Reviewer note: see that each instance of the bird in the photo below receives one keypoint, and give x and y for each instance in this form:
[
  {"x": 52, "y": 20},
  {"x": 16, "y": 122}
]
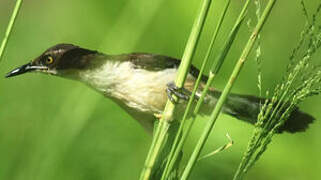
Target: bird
[{"x": 141, "y": 83}]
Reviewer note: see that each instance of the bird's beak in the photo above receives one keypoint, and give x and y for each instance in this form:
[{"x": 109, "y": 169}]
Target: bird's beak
[{"x": 23, "y": 69}]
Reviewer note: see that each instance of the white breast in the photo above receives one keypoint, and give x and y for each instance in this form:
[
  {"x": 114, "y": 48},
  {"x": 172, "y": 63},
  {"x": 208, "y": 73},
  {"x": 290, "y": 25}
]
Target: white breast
[{"x": 137, "y": 88}]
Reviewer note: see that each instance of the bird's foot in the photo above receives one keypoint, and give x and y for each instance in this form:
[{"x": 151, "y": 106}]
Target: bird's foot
[
  {"x": 181, "y": 93},
  {"x": 158, "y": 115}
]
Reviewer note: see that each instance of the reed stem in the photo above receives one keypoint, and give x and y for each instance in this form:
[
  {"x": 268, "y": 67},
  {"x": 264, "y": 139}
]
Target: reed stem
[
  {"x": 9, "y": 27},
  {"x": 167, "y": 116},
  {"x": 180, "y": 139},
  {"x": 227, "y": 89}
]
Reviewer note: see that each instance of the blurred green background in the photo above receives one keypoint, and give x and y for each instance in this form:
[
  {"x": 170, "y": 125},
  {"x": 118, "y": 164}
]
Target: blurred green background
[{"x": 52, "y": 128}]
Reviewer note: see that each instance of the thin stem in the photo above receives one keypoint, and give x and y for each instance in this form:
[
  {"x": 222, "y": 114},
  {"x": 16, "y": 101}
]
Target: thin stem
[
  {"x": 227, "y": 89},
  {"x": 271, "y": 122},
  {"x": 179, "y": 142},
  {"x": 221, "y": 57},
  {"x": 9, "y": 27},
  {"x": 215, "y": 67},
  {"x": 167, "y": 117}
]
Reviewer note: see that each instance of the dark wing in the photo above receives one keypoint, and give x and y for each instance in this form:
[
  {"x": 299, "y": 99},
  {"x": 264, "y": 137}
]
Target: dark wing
[{"x": 153, "y": 62}]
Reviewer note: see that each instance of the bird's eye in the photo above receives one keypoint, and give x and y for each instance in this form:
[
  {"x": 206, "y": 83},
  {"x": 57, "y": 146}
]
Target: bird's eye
[{"x": 49, "y": 60}]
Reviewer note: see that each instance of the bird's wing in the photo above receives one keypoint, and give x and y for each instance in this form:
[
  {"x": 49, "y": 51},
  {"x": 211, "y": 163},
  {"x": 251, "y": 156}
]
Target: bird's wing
[{"x": 153, "y": 62}]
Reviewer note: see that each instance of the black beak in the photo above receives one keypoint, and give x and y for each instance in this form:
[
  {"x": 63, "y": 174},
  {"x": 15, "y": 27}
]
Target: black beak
[{"x": 23, "y": 69}]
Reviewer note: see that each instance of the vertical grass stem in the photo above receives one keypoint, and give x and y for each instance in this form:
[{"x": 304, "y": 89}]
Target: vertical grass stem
[
  {"x": 9, "y": 27},
  {"x": 227, "y": 89},
  {"x": 180, "y": 139},
  {"x": 167, "y": 116}
]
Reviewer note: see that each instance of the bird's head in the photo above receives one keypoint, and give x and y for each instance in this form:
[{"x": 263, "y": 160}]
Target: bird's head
[{"x": 61, "y": 59}]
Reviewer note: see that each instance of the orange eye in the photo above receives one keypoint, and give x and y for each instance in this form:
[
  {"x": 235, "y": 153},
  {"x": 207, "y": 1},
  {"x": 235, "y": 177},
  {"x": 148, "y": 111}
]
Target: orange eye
[{"x": 49, "y": 60}]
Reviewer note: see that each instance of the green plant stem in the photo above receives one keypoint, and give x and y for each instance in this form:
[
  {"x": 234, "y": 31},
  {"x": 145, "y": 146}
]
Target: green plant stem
[
  {"x": 216, "y": 66},
  {"x": 226, "y": 90},
  {"x": 179, "y": 142},
  {"x": 256, "y": 140},
  {"x": 9, "y": 27},
  {"x": 167, "y": 116}
]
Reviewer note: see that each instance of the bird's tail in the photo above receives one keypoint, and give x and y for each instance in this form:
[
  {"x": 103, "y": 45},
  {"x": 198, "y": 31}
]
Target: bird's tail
[{"x": 247, "y": 108}]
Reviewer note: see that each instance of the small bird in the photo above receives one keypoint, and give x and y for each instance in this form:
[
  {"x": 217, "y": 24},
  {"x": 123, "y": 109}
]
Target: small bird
[{"x": 141, "y": 83}]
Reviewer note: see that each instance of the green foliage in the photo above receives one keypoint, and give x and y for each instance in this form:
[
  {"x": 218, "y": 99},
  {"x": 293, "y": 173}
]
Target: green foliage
[
  {"x": 181, "y": 135},
  {"x": 51, "y": 128},
  {"x": 161, "y": 134},
  {"x": 9, "y": 27},
  {"x": 179, "y": 141},
  {"x": 302, "y": 80}
]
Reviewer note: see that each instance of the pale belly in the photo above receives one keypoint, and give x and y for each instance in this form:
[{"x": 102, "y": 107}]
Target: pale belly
[
  {"x": 145, "y": 90},
  {"x": 140, "y": 92},
  {"x": 144, "y": 94}
]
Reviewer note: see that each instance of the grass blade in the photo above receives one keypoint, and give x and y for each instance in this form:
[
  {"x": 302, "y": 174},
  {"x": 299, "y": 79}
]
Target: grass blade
[
  {"x": 220, "y": 149},
  {"x": 9, "y": 27},
  {"x": 227, "y": 89},
  {"x": 179, "y": 139},
  {"x": 164, "y": 122}
]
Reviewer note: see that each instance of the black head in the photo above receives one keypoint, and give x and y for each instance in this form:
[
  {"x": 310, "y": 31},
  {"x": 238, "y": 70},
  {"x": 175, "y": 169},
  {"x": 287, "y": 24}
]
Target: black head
[{"x": 57, "y": 58}]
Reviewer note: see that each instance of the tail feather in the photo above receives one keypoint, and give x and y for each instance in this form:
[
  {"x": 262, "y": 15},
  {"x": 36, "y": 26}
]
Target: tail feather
[
  {"x": 298, "y": 122},
  {"x": 247, "y": 108}
]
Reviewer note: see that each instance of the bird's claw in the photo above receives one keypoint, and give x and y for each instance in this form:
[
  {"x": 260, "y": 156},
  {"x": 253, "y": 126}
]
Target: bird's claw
[
  {"x": 158, "y": 115},
  {"x": 181, "y": 93}
]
